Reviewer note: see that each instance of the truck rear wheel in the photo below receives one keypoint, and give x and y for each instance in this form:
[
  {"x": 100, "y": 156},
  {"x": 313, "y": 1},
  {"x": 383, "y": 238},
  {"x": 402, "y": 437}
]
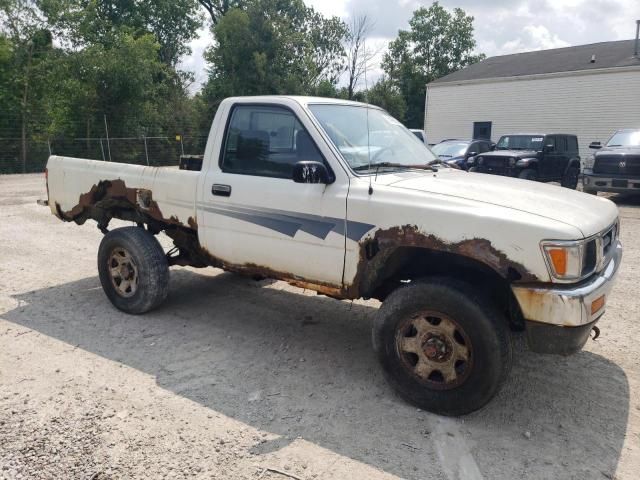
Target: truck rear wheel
[
  {"x": 133, "y": 270},
  {"x": 570, "y": 177},
  {"x": 441, "y": 346}
]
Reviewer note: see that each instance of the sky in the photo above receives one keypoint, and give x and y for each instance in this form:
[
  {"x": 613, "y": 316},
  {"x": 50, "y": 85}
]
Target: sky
[{"x": 501, "y": 26}]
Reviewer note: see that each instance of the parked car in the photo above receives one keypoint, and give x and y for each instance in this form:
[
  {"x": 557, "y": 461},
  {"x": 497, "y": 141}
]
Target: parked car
[
  {"x": 457, "y": 152},
  {"x": 550, "y": 157},
  {"x": 293, "y": 188},
  {"x": 420, "y": 134},
  {"x": 616, "y": 167}
]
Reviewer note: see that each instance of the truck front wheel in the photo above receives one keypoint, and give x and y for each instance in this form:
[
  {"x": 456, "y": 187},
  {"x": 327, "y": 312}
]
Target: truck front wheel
[
  {"x": 528, "y": 174},
  {"x": 442, "y": 346},
  {"x": 133, "y": 270}
]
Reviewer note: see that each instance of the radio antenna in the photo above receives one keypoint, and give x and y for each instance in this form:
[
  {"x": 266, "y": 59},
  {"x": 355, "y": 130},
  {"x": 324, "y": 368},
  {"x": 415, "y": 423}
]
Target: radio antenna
[{"x": 366, "y": 99}]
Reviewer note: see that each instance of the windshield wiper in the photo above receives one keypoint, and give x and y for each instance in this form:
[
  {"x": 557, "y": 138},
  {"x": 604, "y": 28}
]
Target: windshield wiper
[
  {"x": 444, "y": 155},
  {"x": 614, "y": 145},
  {"x": 378, "y": 165}
]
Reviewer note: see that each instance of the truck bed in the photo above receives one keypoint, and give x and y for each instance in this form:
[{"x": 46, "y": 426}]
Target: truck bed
[{"x": 78, "y": 188}]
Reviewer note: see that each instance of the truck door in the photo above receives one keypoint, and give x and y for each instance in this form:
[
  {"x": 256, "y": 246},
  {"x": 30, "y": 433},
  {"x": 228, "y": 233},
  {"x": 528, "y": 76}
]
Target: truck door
[
  {"x": 254, "y": 215},
  {"x": 562, "y": 156},
  {"x": 547, "y": 167}
]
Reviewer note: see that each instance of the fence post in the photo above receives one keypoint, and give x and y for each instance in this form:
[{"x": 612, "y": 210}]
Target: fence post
[
  {"x": 106, "y": 129},
  {"x": 146, "y": 153},
  {"x": 102, "y": 149}
]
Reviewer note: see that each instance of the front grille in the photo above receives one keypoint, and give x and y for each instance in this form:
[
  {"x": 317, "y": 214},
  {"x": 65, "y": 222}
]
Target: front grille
[
  {"x": 497, "y": 165},
  {"x": 628, "y": 165},
  {"x": 605, "y": 244}
]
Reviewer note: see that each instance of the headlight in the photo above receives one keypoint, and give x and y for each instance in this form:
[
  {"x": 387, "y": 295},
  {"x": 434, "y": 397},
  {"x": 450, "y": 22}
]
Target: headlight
[
  {"x": 589, "y": 161},
  {"x": 480, "y": 160},
  {"x": 471, "y": 160},
  {"x": 524, "y": 162},
  {"x": 512, "y": 162},
  {"x": 570, "y": 261}
]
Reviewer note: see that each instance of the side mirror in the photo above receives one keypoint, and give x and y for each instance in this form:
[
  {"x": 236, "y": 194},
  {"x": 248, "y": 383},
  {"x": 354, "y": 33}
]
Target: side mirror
[
  {"x": 493, "y": 147},
  {"x": 472, "y": 154},
  {"x": 308, "y": 171},
  {"x": 595, "y": 145}
]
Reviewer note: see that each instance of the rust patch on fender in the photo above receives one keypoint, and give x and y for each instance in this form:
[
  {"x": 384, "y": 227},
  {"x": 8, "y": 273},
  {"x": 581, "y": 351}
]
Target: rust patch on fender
[{"x": 376, "y": 250}]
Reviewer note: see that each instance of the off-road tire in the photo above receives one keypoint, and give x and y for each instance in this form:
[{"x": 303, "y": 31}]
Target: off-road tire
[
  {"x": 484, "y": 328},
  {"x": 570, "y": 177},
  {"x": 472, "y": 169},
  {"x": 151, "y": 268},
  {"x": 528, "y": 174}
]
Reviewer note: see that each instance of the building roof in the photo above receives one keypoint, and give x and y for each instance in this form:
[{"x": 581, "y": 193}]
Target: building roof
[{"x": 568, "y": 59}]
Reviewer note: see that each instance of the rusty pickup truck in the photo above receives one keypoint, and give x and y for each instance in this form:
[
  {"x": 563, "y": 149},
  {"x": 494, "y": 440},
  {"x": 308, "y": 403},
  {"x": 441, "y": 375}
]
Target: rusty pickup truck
[{"x": 340, "y": 198}]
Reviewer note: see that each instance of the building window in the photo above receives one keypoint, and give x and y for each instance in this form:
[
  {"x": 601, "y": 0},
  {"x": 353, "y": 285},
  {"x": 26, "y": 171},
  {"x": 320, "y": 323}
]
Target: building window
[{"x": 482, "y": 130}]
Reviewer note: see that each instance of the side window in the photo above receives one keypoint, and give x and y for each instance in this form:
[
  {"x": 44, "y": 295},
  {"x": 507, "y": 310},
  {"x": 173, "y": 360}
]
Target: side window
[
  {"x": 561, "y": 144},
  {"x": 550, "y": 143},
  {"x": 473, "y": 147},
  {"x": 266, "y": 141},
  {"x": 573, "y": 144},
  {"x": 484, "y": 147}
]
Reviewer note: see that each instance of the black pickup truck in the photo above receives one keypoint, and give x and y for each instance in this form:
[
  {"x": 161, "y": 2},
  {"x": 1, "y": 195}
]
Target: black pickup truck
[
  {"x": 616, "y": 166},
  {"x": 550, "y": 157}
]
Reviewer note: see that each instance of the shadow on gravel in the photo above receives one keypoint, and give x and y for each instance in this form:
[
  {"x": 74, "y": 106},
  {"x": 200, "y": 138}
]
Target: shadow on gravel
[
  {"x": 302, "y": 366},
  {"x": 625, "y": 199}
]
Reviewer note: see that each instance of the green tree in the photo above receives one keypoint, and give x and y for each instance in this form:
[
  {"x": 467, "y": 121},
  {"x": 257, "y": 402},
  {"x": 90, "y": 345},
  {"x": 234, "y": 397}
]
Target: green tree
[
  {"x": 274, "y": 47},
  {"x": 385, "y": 94},
  {"x": 218, "y": 8},
  {"x": 88, "y": 22},
  {"x": 438, "y": 42},
  {"x": 117, "y": 81}
]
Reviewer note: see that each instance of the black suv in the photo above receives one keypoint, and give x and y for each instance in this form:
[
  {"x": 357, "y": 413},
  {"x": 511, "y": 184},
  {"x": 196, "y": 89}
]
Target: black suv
[
  {"x": 616, "y": 167},
  {"x": 550, "y": 157}
]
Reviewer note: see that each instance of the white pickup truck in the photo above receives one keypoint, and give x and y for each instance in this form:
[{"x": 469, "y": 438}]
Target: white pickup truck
[{"x": 339, "y": 197}]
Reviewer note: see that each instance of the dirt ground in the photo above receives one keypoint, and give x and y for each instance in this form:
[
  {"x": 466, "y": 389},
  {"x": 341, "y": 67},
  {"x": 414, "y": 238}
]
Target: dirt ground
[{"x": 237, "y": 379}]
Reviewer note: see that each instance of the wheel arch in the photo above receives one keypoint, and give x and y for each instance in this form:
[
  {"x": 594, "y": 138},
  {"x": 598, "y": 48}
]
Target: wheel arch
[{"x": 390, "y": 268}]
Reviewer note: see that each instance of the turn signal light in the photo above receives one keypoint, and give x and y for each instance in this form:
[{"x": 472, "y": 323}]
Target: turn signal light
[
  {"x": 597, "y": 304},
  {"x": 558, "y": 257}
]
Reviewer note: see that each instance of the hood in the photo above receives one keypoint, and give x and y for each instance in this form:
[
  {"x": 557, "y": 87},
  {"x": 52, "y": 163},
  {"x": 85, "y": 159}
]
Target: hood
[
  {"x": 618, "y": 151},
  {"x": 510, "y": 153},
  {"x": 588, "y": 213}
]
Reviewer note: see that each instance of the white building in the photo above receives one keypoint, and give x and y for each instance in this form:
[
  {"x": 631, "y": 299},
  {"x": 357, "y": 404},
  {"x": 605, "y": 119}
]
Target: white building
[{"x": 588, "y": 90}]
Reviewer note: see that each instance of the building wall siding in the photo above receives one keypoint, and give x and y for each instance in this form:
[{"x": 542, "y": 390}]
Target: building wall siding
[{"x": 590, "y": 106}]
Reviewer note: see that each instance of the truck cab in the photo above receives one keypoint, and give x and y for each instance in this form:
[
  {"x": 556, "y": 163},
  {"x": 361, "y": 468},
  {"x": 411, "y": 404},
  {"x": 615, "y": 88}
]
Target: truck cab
[{"x": 550, "y": 157}]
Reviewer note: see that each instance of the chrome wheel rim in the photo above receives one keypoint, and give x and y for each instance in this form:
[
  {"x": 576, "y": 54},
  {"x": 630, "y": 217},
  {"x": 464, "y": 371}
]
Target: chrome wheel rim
[
  {"x": 434, "y": 349},
  {"x": 123, "y": 272}
]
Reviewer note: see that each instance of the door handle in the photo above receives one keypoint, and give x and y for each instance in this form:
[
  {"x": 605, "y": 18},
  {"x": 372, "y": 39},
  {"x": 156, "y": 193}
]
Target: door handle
[{"x": 221, "y": 190}]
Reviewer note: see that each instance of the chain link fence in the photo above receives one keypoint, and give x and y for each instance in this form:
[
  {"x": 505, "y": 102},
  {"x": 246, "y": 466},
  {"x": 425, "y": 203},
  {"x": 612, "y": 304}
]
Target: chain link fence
[{"x": 29, "y": 153}]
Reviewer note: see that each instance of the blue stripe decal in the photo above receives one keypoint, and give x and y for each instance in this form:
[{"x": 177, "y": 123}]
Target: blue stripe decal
[{"x": 289, "y": 223}]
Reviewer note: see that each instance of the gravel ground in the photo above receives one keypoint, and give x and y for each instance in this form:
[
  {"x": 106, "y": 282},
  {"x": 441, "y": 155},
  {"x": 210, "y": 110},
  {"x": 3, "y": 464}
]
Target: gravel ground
[{"x": 236, "y": 379}]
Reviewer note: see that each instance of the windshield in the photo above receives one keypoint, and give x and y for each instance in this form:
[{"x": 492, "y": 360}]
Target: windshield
[
  {"x": 450, "y": 149},
  {"x": 625, "y": 139},
  {"x": 385, "y": 140},
  {"x": 520, "y": 142}
]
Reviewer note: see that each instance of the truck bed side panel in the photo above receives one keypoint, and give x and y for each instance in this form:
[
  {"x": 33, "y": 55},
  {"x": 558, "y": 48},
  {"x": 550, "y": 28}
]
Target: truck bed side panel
[{"x": 72, "y": 183}]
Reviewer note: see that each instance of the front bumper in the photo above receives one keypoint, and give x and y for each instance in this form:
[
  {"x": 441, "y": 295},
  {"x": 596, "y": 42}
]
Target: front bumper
[
  {"x": 559, "y": 318},
  {"x": 610, "y": 183}
]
